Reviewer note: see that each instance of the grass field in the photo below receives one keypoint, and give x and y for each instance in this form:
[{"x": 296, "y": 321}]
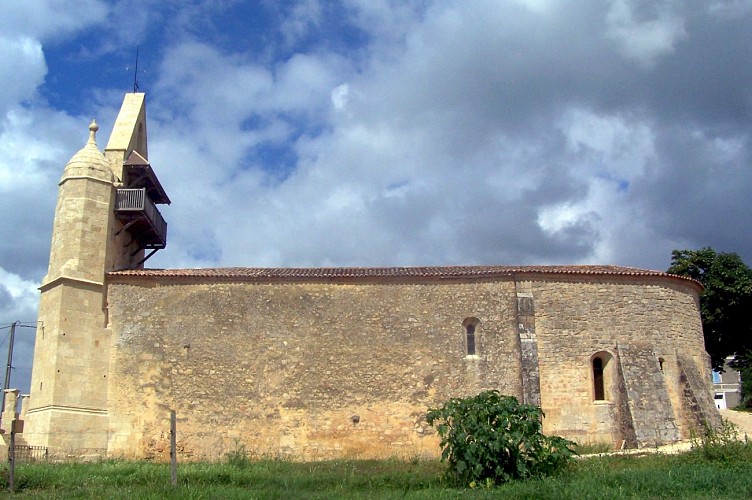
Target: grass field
[{"x": 705, "y": 472}]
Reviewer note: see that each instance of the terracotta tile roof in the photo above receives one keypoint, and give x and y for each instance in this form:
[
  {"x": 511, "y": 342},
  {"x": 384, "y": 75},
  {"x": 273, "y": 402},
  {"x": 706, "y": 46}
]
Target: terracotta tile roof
[
  {"x": 135, "y": 158},
  {"x": 366, "y": 273}
]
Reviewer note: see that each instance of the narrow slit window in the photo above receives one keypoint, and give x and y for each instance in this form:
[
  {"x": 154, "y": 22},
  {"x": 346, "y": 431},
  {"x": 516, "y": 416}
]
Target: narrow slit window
[
  {"x": 470, "y": 332},
  {"x": 598, "y": 387}
]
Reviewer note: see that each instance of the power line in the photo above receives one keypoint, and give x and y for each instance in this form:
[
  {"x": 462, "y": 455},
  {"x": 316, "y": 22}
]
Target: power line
[{"x": 22, "y": 324}]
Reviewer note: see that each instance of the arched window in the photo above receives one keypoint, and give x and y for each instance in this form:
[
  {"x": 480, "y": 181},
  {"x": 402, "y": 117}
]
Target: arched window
[
  {"x": 470, "y": 334},
  {"x": 471, "y": 326},
  {"x": 599, "y": 389},
  {"x": 602, "y": 368}
]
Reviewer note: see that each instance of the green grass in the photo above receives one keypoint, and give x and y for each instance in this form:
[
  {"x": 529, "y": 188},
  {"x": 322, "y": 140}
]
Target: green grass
[{"x": 706, "y": 472}]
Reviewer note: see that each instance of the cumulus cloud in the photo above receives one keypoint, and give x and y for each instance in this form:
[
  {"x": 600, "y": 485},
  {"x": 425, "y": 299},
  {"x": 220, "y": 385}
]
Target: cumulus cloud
[
  {"x": 303, "y": 17},
  {"x": 729, "y": 9},
  {"x": 386, "y": 132},
  {"x": 50, "y": 20},
  {"x": 19, "y": 296},
  {"x": 340, "y": 96},
  {"x": 33, "y": 145},
  {"x": 22, "y": 71},
  {"x": 645, "y": 30},
  {"x": 468, "y": 135}
]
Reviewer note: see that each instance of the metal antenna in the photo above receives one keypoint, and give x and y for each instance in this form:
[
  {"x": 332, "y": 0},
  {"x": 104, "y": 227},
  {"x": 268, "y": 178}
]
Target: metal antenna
[{"x": 135, "y": 73}]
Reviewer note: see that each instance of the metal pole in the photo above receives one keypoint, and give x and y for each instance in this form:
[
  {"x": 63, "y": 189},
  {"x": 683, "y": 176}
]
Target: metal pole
[{"x": 6, "y": 384}]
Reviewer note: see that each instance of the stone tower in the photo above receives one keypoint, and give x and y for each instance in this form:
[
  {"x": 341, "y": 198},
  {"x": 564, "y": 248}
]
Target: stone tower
[{"x": 105, "y": 219}]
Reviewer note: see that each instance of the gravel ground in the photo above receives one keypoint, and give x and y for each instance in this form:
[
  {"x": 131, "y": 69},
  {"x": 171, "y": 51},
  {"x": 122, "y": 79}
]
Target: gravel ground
[{"x": 742, "y": 419}]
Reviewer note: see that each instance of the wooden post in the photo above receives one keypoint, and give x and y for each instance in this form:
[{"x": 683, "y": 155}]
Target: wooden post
[
  {"x": 12, "y": 456},
  {"x": 173, "y": 454}
]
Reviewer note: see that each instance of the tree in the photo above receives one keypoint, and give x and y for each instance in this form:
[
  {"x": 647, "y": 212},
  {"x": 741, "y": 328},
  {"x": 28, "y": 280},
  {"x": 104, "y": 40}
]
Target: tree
[
  {"x": 492, "y": 438},
  {"x": 743, "y": 363},
  {"x": 725, "y": 303}
]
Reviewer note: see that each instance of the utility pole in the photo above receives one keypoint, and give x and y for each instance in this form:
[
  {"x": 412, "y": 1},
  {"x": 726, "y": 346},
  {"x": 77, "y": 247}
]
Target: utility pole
[{"x": 6, "y": 384}]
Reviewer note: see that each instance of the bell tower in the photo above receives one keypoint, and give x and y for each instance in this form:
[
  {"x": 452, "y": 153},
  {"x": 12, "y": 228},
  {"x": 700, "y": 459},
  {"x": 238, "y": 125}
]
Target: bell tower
[
  {"x": 105, "y": 219},
  {"x": 140, "y": 226}
]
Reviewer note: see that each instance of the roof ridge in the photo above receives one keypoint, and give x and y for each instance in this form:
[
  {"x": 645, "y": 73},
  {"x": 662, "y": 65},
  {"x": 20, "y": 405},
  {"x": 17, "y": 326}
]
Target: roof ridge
[{"x": 435, "y": 272}]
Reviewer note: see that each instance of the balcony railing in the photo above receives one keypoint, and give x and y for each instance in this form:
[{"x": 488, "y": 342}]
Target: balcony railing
[{"x": 145, "y": 221}]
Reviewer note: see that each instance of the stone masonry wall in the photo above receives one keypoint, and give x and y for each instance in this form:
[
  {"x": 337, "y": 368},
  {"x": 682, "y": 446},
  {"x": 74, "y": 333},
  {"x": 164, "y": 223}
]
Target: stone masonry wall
[
  {"x": 300, "y": 370},
  {"x": 320, "y": 370},
  {"x": 576, "y": 319}
]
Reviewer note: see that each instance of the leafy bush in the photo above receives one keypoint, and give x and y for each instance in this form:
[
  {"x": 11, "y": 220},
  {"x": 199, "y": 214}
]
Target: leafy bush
[{"x": 490, "y": 439}]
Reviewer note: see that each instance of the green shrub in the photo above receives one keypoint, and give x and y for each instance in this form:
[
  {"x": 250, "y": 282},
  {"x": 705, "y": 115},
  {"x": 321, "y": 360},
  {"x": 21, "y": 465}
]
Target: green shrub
[
  {"x": 490, "y": 439},
  {"x": 720, "y": 445}
]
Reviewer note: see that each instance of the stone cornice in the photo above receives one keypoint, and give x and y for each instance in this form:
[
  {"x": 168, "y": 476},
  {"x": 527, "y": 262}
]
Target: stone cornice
[
  {"x": 68, "y": 409},
  {"x": 59, "y": 280},
  {"x": 84, "y": 177}
]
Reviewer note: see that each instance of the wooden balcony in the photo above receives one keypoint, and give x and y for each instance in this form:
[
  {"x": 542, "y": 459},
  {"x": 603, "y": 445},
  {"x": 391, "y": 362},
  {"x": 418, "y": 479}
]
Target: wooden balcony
[{"x": 141, "y": 218}]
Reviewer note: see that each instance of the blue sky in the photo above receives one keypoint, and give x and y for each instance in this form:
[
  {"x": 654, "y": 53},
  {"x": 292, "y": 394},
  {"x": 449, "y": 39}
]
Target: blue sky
[{"x": 384, "y": 132}]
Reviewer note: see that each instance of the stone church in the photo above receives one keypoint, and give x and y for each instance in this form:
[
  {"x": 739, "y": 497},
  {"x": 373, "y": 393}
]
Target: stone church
[{"x": 331, "y": 362}]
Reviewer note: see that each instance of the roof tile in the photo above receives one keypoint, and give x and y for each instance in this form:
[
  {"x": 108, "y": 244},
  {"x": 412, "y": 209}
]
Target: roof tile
[{"x": 360, "y": 273}]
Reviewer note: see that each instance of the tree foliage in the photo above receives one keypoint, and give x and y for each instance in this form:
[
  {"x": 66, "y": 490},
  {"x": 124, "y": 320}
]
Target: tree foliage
[
  {"x": 726, "y": 302},
  {"x": 492, "y": 439},
  {"x": 743, "y": 363}
]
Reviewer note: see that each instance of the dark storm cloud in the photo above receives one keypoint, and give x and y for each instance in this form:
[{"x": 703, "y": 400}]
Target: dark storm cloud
[
  {"x": 695, "y": 93},
  {"x": 701, "y": 189},
  {"x": 707, "y": 80},
  {"x": 25, "y": 232},
  {"x": 473, "y": 95}
]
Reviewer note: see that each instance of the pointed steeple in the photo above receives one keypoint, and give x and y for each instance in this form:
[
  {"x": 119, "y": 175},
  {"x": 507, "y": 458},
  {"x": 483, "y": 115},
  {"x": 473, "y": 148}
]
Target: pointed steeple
[{"x": 129, "y": 131}]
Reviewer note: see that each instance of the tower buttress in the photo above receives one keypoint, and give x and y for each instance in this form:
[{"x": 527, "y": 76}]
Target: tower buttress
[
  {"x": 105, "y": 218},
  {"x": 71, "y": 357}
]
